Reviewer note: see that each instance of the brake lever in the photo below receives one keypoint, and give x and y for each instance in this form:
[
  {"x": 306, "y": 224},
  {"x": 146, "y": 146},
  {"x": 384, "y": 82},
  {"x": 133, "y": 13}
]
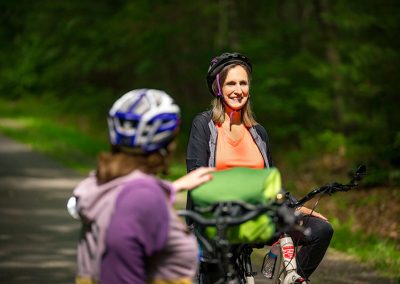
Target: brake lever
[
  {"x": 291, "y": 199},
  {"x": 358, "y": 175}
]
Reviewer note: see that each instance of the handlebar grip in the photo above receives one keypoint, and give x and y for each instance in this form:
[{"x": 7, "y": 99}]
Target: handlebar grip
[{"x": 196, "y": 217}]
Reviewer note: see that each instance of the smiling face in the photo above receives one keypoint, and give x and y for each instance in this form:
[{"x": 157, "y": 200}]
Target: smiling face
[{"x": 235, "y": 88}]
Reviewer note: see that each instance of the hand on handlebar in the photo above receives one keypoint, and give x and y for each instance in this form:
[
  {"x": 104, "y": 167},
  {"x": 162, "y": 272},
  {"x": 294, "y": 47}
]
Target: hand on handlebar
[
  {"x": 287, "y": 219},
  {"x": 193, "y": 179},
  {"x": 306, "y": 211}
]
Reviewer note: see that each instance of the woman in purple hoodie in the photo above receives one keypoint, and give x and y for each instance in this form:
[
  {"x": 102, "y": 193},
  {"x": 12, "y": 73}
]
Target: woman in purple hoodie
[{"x": 130, "y": 232}]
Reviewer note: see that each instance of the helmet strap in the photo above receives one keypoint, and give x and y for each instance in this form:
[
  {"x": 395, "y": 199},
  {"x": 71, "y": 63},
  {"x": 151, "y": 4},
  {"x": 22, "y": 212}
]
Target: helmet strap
[
  {"x": 231, "y": 115},
  {"x": 219, "y": 86}
]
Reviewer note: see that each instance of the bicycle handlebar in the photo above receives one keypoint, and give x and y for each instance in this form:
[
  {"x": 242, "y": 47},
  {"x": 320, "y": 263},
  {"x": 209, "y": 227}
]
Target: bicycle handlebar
[
  {"x": 329, "y": 188},
  {"x": 226, "y": 207},
  {"x": 274, "y": 209}
]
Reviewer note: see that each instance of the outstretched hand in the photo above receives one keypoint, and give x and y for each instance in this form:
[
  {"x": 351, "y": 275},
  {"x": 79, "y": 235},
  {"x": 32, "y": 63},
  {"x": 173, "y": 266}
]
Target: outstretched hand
[{"x": 193, "y": 179}]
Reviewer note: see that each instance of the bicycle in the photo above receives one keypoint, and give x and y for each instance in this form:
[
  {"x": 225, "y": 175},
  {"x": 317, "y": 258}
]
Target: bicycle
[
  {"x": 232, "y": 263},
  {"x": 285, "y": 248}
]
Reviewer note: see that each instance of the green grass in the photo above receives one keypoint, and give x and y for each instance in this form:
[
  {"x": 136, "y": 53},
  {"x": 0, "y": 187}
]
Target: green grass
[
  {"x": 382, "y": 253},
  {"x": 65, "y": 144},
  {"x": 63, "y": 139}
]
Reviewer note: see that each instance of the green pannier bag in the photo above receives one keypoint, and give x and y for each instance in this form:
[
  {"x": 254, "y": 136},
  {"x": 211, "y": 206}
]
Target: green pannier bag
[{"x": 253, "y": 186}]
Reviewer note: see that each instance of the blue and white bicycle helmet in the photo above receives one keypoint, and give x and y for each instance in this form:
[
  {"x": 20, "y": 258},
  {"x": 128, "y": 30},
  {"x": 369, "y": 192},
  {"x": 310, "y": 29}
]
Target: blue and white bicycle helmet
[{"x": 143, "y": 121}]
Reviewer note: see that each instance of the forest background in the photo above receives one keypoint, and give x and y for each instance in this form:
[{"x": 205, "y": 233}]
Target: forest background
[{"x": 325, "y": 86}]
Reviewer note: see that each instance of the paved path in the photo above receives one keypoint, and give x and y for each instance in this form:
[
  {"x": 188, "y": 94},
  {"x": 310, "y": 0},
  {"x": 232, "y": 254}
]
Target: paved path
[{"x": 38, "y": 238}]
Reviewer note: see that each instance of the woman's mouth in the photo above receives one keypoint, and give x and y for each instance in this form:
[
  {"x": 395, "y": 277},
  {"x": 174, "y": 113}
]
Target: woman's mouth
[{"x": 236, "y": 99}]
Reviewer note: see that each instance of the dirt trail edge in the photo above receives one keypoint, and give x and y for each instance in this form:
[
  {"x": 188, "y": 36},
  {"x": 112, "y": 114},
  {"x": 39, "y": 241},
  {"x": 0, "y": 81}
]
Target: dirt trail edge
[{"x": 38, "y": 237}]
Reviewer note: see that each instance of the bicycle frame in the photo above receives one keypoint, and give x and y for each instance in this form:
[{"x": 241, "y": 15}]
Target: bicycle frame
[
  {"x": 285, "y": 271},
  {"x": 236, "y": 265},
  {"x": 234, "y": 261}
]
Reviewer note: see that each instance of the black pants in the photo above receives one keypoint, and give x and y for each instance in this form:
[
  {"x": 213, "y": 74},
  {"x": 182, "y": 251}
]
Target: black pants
[
  {"x": 314, "y": 246},
  {"x": 308, "y": 257}
]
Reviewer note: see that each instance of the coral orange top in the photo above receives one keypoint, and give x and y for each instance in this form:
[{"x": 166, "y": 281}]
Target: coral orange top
[{"x": 237, "y": 153}]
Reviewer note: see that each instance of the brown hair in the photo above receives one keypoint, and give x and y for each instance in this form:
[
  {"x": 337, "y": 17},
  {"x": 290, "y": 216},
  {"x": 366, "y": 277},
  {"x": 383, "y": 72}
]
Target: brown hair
[
  {"x": 118, "y": 163},
  {"x": 218, "y": 106}
]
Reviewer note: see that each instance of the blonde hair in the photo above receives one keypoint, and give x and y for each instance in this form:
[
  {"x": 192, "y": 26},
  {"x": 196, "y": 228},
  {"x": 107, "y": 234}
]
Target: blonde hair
[{"x": 218, "y": 106}]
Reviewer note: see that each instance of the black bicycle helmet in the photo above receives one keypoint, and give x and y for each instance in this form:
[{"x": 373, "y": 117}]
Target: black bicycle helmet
[{"x": 219, "y": 62}]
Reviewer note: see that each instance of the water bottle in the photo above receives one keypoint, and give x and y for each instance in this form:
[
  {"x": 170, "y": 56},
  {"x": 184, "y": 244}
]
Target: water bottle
[{"x": 270, "y": 262}]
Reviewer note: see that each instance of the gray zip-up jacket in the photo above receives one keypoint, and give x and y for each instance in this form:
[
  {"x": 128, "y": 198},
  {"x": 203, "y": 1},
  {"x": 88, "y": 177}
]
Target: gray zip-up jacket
[{"x": 202, "y": 145}]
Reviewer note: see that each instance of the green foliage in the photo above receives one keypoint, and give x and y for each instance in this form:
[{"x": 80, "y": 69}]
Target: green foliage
[
  {"x": 326, "y": 141},
  {"x": 325, "y": 75}
]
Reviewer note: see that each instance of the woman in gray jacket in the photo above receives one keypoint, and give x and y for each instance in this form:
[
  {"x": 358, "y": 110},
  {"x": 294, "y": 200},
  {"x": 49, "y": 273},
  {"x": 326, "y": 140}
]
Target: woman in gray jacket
[{"x": 228, "y": 136}]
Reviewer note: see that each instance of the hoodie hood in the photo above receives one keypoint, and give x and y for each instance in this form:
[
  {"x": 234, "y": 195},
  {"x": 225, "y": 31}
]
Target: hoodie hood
[{"x": 93, "y": 198}]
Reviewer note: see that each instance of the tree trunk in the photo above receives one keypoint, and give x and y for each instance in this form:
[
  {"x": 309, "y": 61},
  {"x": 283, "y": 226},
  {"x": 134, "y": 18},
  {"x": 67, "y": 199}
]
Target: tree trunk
[{"x": 329, "y": 37}]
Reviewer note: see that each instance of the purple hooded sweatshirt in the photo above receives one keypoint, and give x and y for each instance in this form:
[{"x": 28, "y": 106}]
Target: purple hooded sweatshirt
[{"x": 132, "y": 233}]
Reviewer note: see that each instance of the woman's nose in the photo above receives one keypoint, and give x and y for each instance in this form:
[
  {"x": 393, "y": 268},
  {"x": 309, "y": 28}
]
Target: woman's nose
[{"x": 238, "y": 89}]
